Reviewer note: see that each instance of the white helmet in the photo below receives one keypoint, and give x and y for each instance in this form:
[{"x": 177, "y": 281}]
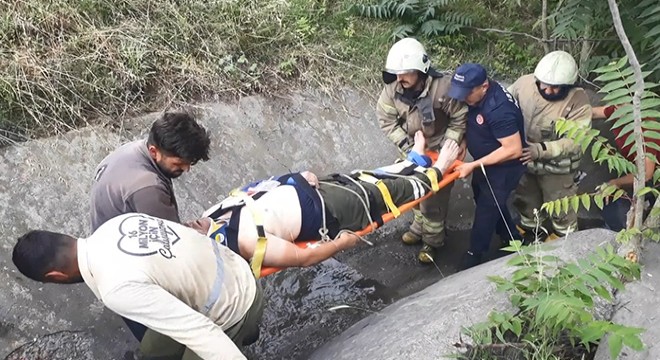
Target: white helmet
[
  {"x": 407, "y": 55},
  {"x": 557, "y": 68}
]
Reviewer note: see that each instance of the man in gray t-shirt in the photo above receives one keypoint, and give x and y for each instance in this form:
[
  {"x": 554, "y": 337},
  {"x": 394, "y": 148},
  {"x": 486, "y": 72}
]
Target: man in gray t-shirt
[{"x": 137, "y": 177}]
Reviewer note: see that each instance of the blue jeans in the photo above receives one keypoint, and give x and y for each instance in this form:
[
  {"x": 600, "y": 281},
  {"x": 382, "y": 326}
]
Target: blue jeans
[{"x": 487, "y": 218}]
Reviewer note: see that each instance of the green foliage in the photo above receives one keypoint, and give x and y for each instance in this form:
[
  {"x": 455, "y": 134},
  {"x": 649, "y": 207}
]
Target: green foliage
[
  {"x": 577, "y": 19},
  {"x": 424, "y": 17},
  {"x": 67, "y": 63},
  {"x": 555, "y": 300},
  {"x": 601, "y": 150},
  {"x": 509, "y": 54},
  {"x": 619, "y": 89}
]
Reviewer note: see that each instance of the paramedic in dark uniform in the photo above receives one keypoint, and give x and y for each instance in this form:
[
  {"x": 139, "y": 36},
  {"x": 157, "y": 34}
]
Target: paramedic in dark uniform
[{"x": 495, "y": 139}]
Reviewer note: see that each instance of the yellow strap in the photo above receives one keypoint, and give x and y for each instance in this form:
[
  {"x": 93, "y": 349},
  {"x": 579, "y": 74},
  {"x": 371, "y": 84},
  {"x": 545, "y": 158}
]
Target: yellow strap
[
  {"x": 387, "y": 197},
  {"x": 260, "y": 247},
  {"x": 433, "y": 176}
]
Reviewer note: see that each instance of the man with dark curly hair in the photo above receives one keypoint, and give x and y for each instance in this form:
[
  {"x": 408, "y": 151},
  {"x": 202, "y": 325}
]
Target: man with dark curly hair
[{"x": 137, "y": 177}]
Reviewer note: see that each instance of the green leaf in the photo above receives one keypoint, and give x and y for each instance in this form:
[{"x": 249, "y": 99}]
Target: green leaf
[
  {"x": 548, "y": 207},
  {"x": 516, "y": 326},
  {"x": 652, "y": 134},
  {"x": 633, "y": 342},
  {"x": 621, "y": 110},
  {"x": 557, "y": 206},
  {"x": 614, "y": 85},
  {"x": 564, "y": 205},
  {"x": 648, "y": 103},
  {"x": 609, "y": 76},
  {"x": 645, "y": 190},
  {"x": 619, "y": 193},
  {"x": 623, "y": 120},
  {"x": 651, "y": 124},
  {"x": 586, "y": 201},
  {"x": 626, "y": 130},
  {"x": 653, "y": 32},
  {"x": 615, "y": 344},
  {"x": 622, "y": 62},
  {"x": 598, "y": 199},
  {"x": 595, "y": 148},
  {"x": 609, "y": 190},
  {"x": 650, "y": 113},
  {"x": 616, "y": 94},
  {"x": 575, "y": 203}
]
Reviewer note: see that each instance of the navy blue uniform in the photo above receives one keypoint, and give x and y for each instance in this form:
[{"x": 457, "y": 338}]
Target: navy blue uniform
[{"x": 496, "y": 116}]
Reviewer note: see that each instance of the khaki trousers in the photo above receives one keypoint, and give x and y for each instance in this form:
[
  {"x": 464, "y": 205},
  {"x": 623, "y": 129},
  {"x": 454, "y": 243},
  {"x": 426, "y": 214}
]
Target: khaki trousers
[{"x": 534, "y": 190}]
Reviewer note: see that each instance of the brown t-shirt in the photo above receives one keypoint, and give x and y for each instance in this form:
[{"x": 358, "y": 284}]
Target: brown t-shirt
[{"x": 128, "y": 180}]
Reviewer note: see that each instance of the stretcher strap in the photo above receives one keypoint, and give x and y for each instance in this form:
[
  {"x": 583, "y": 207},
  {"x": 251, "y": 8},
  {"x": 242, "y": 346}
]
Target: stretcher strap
[
  {"x": 387, "y": 197},
  {"x": 260, "y": 248},
  {"x": 433, "y": 176}
]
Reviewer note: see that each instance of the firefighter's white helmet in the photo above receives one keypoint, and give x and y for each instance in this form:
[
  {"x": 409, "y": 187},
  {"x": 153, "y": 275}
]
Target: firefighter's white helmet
[
  {"x": 557, "y": 68},
  {"x": 407, "y": 55}
]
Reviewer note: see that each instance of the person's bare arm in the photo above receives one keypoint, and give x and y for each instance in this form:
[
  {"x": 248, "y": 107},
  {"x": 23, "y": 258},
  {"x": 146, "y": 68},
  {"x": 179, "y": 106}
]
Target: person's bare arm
[
  {"x": 511, "y": 149},
  {"x": 629, "y": 179},
  {"x": 598, "y": 112},
  {"x": 283, "y": 253}
]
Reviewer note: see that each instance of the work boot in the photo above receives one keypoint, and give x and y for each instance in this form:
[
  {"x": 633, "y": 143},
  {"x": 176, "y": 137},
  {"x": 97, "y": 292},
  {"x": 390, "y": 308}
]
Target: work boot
[
  {"x": 426, "y": 254},
  {"x": 411, "y": 238},
  {"x": 552, "y": 237},
  {"x": 414, "y": 234},
  {"x": 470, "y": 259}
]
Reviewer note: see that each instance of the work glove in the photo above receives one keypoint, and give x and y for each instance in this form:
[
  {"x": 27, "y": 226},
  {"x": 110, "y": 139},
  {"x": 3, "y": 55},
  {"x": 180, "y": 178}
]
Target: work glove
[{"x": 531, "y": 153}]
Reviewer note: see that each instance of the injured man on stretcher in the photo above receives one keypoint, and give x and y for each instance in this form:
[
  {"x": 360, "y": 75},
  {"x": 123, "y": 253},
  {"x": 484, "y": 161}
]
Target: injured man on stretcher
[{"x": 271, "y": 215}]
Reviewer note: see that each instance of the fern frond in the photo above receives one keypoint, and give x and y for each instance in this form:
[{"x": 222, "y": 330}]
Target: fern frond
[{"x": 402, "y": 31}]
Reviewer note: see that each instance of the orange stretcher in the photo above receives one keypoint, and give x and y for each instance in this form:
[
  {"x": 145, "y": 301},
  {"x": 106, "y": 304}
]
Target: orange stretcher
[{"x": 446, "y": 180}]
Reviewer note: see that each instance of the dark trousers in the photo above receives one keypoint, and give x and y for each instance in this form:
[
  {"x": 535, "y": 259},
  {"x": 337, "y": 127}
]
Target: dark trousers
[
  {"x": 487, "y": 217},
  {"x": 137, "y": 329},
  {"x": 615, "y": 213}
]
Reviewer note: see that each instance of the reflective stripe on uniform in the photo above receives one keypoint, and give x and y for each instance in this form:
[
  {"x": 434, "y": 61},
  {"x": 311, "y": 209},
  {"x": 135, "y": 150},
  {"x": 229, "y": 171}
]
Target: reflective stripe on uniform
[{"x": 388, "y": 109}]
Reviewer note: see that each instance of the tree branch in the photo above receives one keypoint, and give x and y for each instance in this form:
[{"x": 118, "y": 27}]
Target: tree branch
[
  {"x": 554, "y": 40},
  {"x": 638, "y": 201},
  {"x": 544, "y": 26}
]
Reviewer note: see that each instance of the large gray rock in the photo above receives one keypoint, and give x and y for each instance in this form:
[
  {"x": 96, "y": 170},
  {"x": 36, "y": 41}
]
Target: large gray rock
[
  {"x": 45, "y": 183},
  {"x": 639, "y": 306},
  {"x": 427, "y": 324}
]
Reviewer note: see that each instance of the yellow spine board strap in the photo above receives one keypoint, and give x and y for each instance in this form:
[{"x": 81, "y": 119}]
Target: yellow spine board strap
[
  {"x": 387, "y": 197},
  {"x": 433, "y": 176},
  {"x": 260, "y": 248}
]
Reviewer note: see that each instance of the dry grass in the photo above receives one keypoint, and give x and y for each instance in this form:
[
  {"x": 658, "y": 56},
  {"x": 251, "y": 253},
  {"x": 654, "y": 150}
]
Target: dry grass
[
  {"x": 69, "y": 63},
  {"x": 66, "y": 63}
]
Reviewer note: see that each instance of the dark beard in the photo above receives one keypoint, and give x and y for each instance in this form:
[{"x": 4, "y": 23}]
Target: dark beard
[
  {"x": 169, "y": 174},
  {"x": 563, "y": 92}
]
